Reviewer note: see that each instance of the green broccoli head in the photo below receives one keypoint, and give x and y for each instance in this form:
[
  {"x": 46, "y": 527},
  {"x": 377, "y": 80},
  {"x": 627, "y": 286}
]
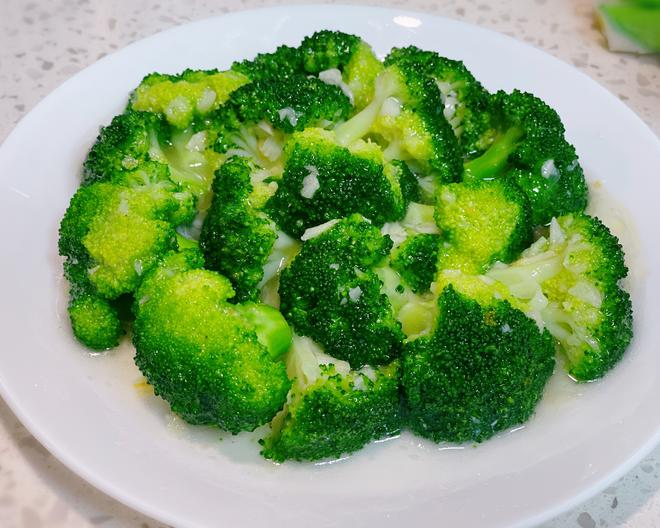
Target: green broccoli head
[
  {"x": 531, "y": 151},
  {"x": 482, "y": 222},
  {"x": 236, "y": 236},
  {"x": 405, "y": 115},
  {"x": 95, "y": 321},
  {"x": 122, "y": 145},
  {"x": 283, "y": 62},
  {"x": 416, "y": 260},
  {"x": 466, "y": 103},
  {"x": 345, "y": 60},
  {"x": 115, "y": 231},
  {"x": 569, "y": 280},
  {"x": 332, "y": 410},
  {"x": 292, "y": 103},
  {"x": 205, "y": 356},
  {"x": 323, "y": 181},
  {"x": 482, "y": 370},
  {"x": 330, "y": 293},
  {"x": 190, "y": 95}
]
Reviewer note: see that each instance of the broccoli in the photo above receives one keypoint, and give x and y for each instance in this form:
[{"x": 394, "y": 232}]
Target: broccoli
[
  {"x": 115, "y": 231},
  {"x": 481, "y": 222},
  {"x": 466, "y": 103},
  {"x": 330, "y": 293},
  {"x": 344, "y": 60},
  {"x": 95, "y": 321},
  {"x": 137, "y": 137},
  {"x": 123, "y": 145},
  {"x": 332, "y": 410},
  {"x": 482, "y": 370},
  {"x": 569, "y": 281},
  {"x": 112, "y": 232},
  {"x": 292, "y": 103},
  {"x": 283, "y": 62},
  {"x": 185, "y": 97},
  {"x": 236, "y": 236},
  {"x": 531, "y": 150},
  {"x": 323, "y": 180},
  {"x": 405, "y": 116},
  {"x": 215, "y": 363},
  {"x": 416, "y": 260},
  {"x": 258, "y": 118}
]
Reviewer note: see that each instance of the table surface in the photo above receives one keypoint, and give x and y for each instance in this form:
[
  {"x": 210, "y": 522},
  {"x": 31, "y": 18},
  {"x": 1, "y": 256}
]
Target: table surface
[{"x": 44, "y": 43}]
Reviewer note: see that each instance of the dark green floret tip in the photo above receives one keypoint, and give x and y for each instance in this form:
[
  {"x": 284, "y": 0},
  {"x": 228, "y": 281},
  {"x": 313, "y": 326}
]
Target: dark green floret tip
[
  {"x": 483, "y": 370},
  {"x": 331, "y": 294},
  {"x": 416, "y": 261}
]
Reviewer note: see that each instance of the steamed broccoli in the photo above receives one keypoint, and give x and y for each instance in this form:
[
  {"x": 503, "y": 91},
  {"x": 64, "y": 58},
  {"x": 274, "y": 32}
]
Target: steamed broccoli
[
  {"x": 481, "y": 222},
  {"x": 405, "y": 116},
  {"x": 466, "y": 104},
  {"x": 416, "y": 260},
  {"x": 330, "y": 293},
  {"x": 135, "y": 137},
  {"x": 344, "y": 60},
  {"x": 283, "y": 62},
  {"x": 531, "y": 150},
  {"x": 323, "y": 180},
  {"x": 569, "y": 281},
  {"x": 123, "y": 145},
  {"x": 236, "y": 236},
  {"x": 332, "y": 410},
  {"x": 215, "y": 363},
  {"x": 187, "y": 96},
  {"x": 379, "y": 209},
  {"x": 482, "y": 370}
]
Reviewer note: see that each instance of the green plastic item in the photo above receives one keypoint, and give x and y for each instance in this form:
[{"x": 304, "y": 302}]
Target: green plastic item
[{"x": 631, "y": 25}]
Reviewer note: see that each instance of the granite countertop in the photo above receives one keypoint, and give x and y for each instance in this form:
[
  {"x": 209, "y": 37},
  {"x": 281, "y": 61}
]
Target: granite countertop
[{"x": 44, "y": 43}]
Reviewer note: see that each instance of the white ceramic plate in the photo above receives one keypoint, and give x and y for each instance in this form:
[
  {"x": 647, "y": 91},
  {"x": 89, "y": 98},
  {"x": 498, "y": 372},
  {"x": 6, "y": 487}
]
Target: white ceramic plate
[{"x": 87, "y": 410}]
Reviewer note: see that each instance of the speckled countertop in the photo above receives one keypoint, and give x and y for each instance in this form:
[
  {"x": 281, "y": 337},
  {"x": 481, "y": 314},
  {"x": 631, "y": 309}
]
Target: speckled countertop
[{"x": 43, "y": 43}]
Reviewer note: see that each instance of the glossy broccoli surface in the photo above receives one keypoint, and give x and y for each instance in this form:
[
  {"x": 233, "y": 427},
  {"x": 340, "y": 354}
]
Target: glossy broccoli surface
[
  {"x": 530, "y": 150},
  {"x": 482, "y": 371},
  {"x": 323, "y": 181},
  {"x": 570, "y": 281},
  {"x": 237, "y": 237},
  {"x": 331, "y": 294},
  {"x": 481, "y": 222},
  {"x": 466, "y": 103},
  {"x": 332, "y": 247},
  {"x": 204, "y": 356},
  {"x": 332, "y": 410}
]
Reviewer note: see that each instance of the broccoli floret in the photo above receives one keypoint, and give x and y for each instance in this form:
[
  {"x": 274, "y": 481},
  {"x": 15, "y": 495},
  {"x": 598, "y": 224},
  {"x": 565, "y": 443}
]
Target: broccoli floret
[
  {"x": 482, "y": 222},
  {"x": 187, "y": 96},
  {"x": 123, "y": 145},
  {"x": 283, "y": 62},
  {"x": 481, "y": 371},
  {"x": 115, "y": 231},
  {"x": 416, "y": 260},
  {"x": 323, "y": 180},
  {"x": 332, "y": 410},
  {"x": 466, "y": 103},
  {"x": 237, "y": 236},
  {"x": 137, "y": 137},
  {"x": 405, "y": 116},
  {"x": 345, "y": 60},
  {"x": 95, "y": 321},
  {"x": 290, "y": 103},
  {"x": 212, "y": 361},
  {"x": 569, "y": 281},
  {"x": 330, "y": 293},
  {"x": 531, "y": 151}
]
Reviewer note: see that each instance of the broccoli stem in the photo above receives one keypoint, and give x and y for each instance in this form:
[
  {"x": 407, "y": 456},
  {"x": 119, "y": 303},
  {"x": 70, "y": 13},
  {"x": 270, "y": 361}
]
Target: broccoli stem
[
  {"x": 386, "y": 85},
  {"x": 272, "y": 330},
  {"x": 491, "y": 162}
]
